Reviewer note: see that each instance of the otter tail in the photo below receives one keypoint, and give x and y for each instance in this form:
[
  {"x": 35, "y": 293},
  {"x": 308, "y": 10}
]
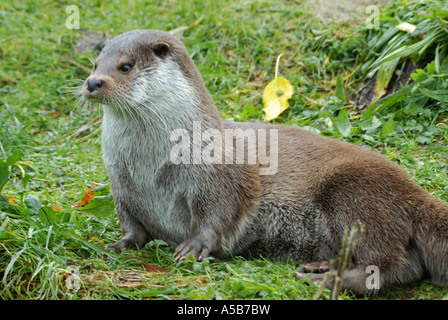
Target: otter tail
[{"x": 432, "y": 236}]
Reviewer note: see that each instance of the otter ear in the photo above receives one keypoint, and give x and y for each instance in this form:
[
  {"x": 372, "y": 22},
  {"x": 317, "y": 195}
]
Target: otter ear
[{"x": 161, "y": 49}]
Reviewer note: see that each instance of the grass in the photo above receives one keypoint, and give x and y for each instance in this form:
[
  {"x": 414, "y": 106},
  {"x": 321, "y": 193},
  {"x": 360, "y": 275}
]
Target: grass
[{"x": 235, "y": 46}]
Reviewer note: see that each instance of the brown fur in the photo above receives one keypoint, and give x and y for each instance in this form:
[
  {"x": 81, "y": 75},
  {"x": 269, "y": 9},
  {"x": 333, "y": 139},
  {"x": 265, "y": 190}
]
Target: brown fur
[{"x": 321, "y": 187}]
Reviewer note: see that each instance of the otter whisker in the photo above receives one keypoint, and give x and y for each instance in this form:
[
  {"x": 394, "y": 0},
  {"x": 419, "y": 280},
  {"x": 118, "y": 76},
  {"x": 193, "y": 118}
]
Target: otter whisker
[
  {"x": 74, "y": 91},
  {"x": 128, "y": 110}
]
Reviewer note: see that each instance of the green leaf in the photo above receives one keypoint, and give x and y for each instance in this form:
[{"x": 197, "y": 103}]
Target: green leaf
[
  {"x": 51, "y": 217},
  {"x": 342, "y": 123},
  {"x": 15, "y": 157},
  {"x": 431, "y": 67},
  {"x": 4, "y": 203},
  {"x": 10, "y": 207},
  {"x": 423, "y": 139},
  {"x": 47, "y": 216},
  {"x": 101, "y": 190},
  {"x": 4, "y": 166},
  {"x": 439, "y": 95},
  {"x": 27, "y": 179},
  {"x": 340, "y": 89},
  {"x": 33, "y": 203},
  {"x": 368, "y": 138},
  {"x": 4, "y": 174},
  {"x": 419, "y": 75},
  {"x": 388, "y": 128},
  {"x": 100, "y": 206}
]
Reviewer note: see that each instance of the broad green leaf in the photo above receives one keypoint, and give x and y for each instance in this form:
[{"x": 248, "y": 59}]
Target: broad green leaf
[
  {"x": 423, "y": 139},
  {"x": 47, "y": 216},
  {"x": 388, "y": 128},
  {"x": 419, "y": 75},
  {"x": 101, "y": 190},
  {"x": 368, "y": 138},
  {"x": 15, "y": 157},
  {"x": 26, "y": 179},
  {"x": 51, "y": 217},
  {"x": 342, "y": 123},
  {"x": 431, "y": 68},
  {"x": 33, "y": 203},
  {"x": 100, "y": 206},
  {"x": 376, "y": 123}
]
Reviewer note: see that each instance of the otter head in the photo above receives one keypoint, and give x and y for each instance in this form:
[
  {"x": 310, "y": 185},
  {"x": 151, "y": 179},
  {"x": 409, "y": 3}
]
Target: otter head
[{"x": 143, "y": 70}]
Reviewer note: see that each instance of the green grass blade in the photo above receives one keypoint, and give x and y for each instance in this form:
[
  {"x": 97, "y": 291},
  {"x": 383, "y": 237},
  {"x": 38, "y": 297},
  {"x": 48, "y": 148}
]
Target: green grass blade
[
  {"x": 10, "y": 266},
  {"x": 340, "y": 93},
  {"x": 439, "y": 95},
  {"x": 407, "y": 50},
  {"x": 390, "y": 100}
]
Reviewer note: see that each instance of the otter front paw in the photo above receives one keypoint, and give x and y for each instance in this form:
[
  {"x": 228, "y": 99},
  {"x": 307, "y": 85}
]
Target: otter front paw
[
  {"x": 196, "y": 246},
  {"x": 124, "y": 244}
]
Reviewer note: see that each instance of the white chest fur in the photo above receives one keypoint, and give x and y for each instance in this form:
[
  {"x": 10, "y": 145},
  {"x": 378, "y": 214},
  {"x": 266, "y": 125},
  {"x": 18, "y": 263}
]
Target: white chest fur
[{"x": 136, "y": 150}]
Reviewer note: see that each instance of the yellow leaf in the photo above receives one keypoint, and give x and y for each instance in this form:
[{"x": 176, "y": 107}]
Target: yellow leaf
[
  {"x": 276, "y": 96},
  {"x": 410, "y": 28},
  {"x": 56, "y": 207}
]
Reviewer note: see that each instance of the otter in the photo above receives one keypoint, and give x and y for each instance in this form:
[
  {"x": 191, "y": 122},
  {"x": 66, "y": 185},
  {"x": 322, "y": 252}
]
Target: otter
[{"x": 294, "y": 206}]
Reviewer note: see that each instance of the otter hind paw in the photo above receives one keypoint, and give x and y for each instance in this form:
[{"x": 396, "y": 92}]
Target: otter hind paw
[{"x": 315, "y": 267}]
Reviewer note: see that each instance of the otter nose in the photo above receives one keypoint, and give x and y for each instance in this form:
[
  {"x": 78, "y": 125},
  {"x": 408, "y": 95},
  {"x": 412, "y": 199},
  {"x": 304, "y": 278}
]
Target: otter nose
[{"x": 94, "y": 84}]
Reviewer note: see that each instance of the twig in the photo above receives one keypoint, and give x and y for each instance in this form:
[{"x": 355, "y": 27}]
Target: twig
[
  {"x": 80, "y": 66},
  {"x": 319, "y": 291},
  {"x": 276, "y": 65},
  {"x": 339, "y": 265},
  {"x": 1, "y": 244}
]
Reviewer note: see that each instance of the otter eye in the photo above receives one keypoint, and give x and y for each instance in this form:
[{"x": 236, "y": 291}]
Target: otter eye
[{"x": 124, "y": 69}]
